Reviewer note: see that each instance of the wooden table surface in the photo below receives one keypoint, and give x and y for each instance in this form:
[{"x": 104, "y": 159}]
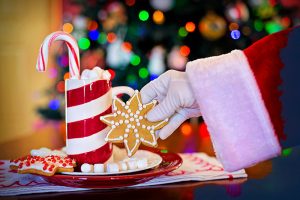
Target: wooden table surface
[{"x": 270, "y": 179}]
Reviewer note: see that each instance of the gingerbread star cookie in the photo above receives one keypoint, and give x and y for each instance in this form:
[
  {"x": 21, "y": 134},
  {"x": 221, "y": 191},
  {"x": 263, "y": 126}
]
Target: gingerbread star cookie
[{"x": 129, "y": 125}]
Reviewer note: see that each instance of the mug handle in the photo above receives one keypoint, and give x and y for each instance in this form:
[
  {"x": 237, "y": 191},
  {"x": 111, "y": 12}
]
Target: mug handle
[{"x": 122, "y": 90}]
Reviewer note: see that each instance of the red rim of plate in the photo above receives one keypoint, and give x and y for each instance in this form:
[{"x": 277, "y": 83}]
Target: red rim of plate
[{"x": 170, "y": 162}]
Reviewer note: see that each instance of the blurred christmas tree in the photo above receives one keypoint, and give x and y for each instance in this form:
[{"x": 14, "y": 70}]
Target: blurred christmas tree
[{"x": 139, "y": 40}]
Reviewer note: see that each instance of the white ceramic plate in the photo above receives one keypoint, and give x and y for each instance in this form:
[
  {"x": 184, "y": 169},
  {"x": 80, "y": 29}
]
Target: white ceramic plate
[{"x": 120, "y": 155}]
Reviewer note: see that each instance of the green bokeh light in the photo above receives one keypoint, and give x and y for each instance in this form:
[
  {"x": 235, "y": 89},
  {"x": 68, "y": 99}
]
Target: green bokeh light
[
  {"x": 182, "y": 32},
  {"x": 286, "y": 152},
  {"x": 273, "y": 27},
  {"x": 258, "y": 25},
  {"x": 164, "y": 151},
  {"x": 144, "y": 15},
  {"x": 135, "y": 60},
  {"x": 143, "y": 73},
  {"x": 84, "y": 43},
  {"x": 102, "y": 38},
  {"x": 131, "y": 78}
]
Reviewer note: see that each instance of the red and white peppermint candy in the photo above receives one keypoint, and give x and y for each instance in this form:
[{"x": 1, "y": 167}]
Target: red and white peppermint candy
[{"x": 74, "y": 60}]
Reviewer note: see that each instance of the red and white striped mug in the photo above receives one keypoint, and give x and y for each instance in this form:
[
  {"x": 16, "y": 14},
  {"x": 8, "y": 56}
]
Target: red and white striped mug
[{"x": 86, "y": 101}]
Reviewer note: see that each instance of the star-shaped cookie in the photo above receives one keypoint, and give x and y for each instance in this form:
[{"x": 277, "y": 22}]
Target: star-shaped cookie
[{"x": 129, "y": 125}]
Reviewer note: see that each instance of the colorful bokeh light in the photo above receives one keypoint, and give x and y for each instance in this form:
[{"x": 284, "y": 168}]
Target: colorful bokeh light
[
  {"x": 127, "y": 46},
  {"x": 135, "y": 60},
  {"x": 93, "y": 35},
  {"x": 186, "y": 129},
  {"x": 235, "y": 34},
  {"x": 66, "y": 75},
  {"x": 52, "y": 72},
  {"x": 102, "y": 39},
  {"x": 258, "y": 25},
  {"x": 182, "y": 32},
  {"x": 60, "y": 87},
  {"x": 130, "y": 2},
  {"x": 68, "y": 27},
  {"x": 286, "y": 152},
  {"x": 153, "y": 76},
  {"x": 54, "y": 104},
  {"x": 203, "y": 132},
  {"x": 111, "y": 37},
  {"x": 143, "y": 73},
  {"x": 233, "y": 26},
  {"x": 190, "y": 27},
  {"x": 63, "y": 61},
  {"x": 158, "y": 17},
  {"x": 185, "y": 50},
  {"x": 84, "y": 43},
  {"x": 92, "y": 25},
  {"x": 273, "y": 27},
  {"x": 143, "y": 15}
]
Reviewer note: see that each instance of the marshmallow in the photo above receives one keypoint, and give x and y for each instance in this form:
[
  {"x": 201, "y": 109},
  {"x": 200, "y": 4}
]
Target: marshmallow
[
  {"x": 123, "y": 166},
  {"x": 95, "y": 73},
  {"x": 99, "y": 71},
  {"x": 132, "y": 164},
  {"x": 142, "y": 163},
  {"x": 85, "y": 74},
  {"x": 87, "y": 168},
  {"x": 98, "y": 168},
  {"x": 106, "y": 75},
  {"x": 112, "y": 167}
]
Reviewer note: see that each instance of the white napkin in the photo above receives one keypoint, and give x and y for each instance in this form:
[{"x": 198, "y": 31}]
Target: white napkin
[{"x": 195, "y": 167}]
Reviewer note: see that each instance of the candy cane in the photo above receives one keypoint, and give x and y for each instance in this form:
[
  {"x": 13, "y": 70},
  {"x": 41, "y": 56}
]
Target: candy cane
[{"x": 74, "y": 63}]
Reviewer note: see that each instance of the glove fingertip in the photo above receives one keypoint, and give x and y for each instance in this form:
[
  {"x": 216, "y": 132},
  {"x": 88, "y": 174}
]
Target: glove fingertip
[
  {"x": 151, "y": 116},
  {"x": 164, "y": 133}
]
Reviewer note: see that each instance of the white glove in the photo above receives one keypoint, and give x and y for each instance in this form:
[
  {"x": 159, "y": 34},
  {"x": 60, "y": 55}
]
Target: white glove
[{"x": 176, "y": 100}]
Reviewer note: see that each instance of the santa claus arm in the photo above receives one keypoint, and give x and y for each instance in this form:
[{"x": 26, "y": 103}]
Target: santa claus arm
[{"x": 240, "y": 100}]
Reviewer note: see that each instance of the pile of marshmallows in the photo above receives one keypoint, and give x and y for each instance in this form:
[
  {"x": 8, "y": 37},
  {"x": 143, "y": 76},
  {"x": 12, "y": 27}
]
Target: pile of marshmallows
[
  {"x": 96, "y": 73},
  {"x": 113, "y": 167}
]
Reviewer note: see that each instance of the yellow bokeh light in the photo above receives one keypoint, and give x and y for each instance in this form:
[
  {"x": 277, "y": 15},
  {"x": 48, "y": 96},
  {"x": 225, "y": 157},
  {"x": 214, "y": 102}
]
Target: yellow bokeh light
[
  {"x": 158, "y": 17},
  {"x": 68, "y": 27}
]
